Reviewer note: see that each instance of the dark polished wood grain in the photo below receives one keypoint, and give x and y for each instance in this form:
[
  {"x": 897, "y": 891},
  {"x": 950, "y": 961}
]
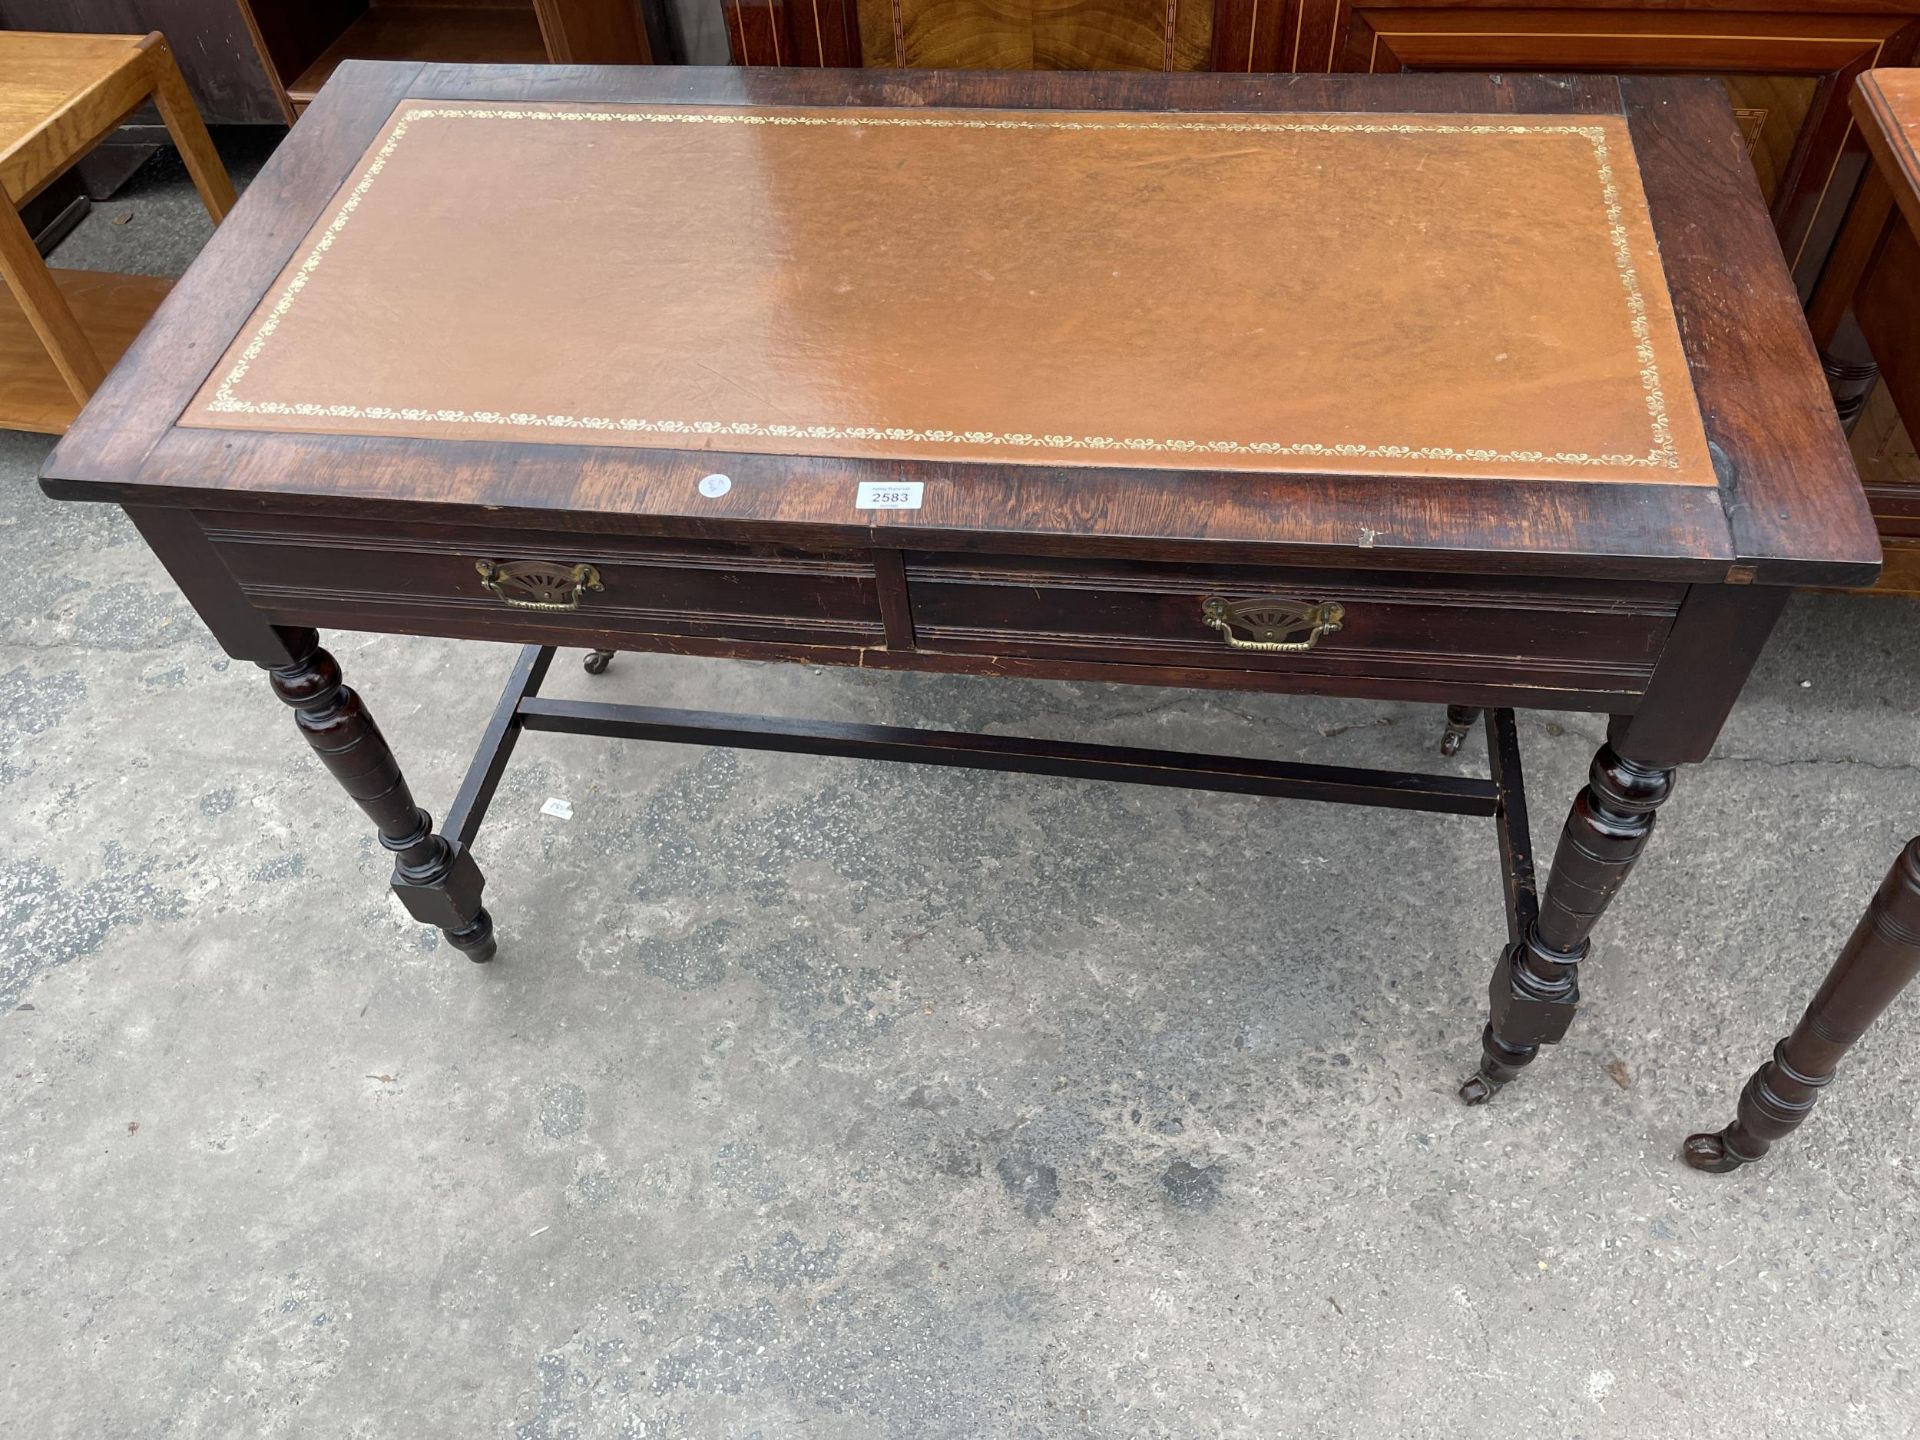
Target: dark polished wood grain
[
  {"x": 435, "y": 879},
  {"x": 1645, "y": 600},
  {"x": 1535, "y": 988}
]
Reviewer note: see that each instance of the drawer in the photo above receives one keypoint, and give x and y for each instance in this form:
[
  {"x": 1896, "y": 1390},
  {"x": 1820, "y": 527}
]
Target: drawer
[
  {"x": 1569, "y": 636},
  {"x": 363, "y": 574}
]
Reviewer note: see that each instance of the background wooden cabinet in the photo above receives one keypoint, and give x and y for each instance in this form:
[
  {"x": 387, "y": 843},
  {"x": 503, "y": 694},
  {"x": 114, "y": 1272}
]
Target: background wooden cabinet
[
  {"x": 254, "y": 61},
  {"x": 1010, "y": 34},
  {"x": 1787, "y": 72},
  {"x": 304, "y": 41},
  {"x": 1787, "y": 65}
]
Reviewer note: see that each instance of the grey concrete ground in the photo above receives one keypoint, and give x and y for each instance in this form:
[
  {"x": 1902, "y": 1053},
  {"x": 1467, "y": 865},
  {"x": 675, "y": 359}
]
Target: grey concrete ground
[{"x": 812, "y": 1097}]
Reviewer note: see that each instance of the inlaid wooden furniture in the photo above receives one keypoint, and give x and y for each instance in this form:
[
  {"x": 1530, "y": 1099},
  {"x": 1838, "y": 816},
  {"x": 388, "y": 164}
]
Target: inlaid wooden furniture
[
  {"x": 304, "y": 41},
  {"x": 60, "y": 95},
  {"x": 1880, "y": 959},
  {"x": 1786, "y": 64},
  {"x": 1869, "y": 297},
  {"x": 1482, "y": 391}
]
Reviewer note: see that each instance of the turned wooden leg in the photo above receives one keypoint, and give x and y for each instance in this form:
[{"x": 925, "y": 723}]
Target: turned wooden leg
[
  {"x": 1880, "y": 958},
  {"x": 1460, "y": 720},
  {"x": 436, "y": 880},
  {"x": 1536, "y": 986},
  {"x": 1851, "y": 372},
  {"x": 1850, "y": 380}
]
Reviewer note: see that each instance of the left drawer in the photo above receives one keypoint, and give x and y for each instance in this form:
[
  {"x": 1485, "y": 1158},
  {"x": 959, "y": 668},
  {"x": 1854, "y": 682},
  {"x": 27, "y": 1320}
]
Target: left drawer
[{"x": 435, "y": 580}]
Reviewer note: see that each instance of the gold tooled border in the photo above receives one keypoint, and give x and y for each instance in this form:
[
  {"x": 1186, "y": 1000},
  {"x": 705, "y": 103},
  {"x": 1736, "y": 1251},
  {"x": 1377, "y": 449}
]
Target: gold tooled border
[{"x": 1661, "y": 454}]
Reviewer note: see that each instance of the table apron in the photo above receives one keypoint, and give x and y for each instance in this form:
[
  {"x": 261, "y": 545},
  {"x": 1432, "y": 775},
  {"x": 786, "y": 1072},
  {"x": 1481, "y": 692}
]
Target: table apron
[{"x": 1583, "y": 643}]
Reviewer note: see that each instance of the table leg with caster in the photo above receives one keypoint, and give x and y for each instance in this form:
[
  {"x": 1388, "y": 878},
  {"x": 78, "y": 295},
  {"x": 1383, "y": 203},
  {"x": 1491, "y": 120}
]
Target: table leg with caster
[
  {"x": 1460, "y": 720},
  {"x": 1879, "y": 961},
  {"x": 1535, "y": 988},
  {"x": 597, "y": 661},
  {"x": 435, "y": 879}
]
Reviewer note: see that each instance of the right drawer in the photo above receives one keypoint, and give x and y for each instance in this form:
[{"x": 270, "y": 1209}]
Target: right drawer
[{"x": 1565, "y": 635}]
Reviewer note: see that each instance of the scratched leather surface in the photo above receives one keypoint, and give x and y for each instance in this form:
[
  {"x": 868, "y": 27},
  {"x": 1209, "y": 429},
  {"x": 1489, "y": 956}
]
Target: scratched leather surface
[{"x": 1421, "y": 295}]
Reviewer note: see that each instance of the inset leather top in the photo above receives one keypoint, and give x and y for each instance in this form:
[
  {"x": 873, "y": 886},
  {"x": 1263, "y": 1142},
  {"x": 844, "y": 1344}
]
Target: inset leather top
[{"x": 1466, "y": 295}]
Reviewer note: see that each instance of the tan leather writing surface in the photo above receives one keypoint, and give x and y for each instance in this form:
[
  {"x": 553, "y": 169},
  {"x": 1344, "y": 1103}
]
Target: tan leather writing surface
[{"x": 1458, "y": 295}]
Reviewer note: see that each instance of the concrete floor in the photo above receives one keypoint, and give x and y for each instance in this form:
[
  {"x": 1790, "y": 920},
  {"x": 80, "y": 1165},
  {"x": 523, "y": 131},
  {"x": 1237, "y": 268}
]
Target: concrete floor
[{"x": 814, "y": 1097}]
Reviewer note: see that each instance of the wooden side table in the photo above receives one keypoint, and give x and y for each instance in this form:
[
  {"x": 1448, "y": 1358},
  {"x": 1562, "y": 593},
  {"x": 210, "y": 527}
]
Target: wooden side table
[
  {"x": 1875, "y": 273},
  {"x": 60, "y": 95}
]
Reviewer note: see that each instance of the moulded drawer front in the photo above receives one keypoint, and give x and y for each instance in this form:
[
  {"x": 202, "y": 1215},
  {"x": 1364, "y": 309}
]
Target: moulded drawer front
[
  {"x": 1470, "y": 628},
  {"x": 363, "y": 573}
]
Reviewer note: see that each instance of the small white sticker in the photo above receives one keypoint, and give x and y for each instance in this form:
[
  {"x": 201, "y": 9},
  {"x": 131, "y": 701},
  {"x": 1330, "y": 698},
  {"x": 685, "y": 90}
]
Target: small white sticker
[
  {"x": 714, "y": 486},
  {"x": 899, "y": 495},
  {"x": 558, "y": 808}
]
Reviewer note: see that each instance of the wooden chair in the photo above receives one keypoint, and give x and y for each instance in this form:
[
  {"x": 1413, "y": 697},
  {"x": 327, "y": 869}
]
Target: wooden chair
[{"x": 60, "y": 95}]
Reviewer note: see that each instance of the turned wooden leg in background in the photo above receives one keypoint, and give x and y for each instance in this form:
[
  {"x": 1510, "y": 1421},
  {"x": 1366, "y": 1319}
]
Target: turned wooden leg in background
[
  {"x": 1536, "y": 984},
  {"x": 1880, "y": 958},
  {"x": 1850, "y": 380},
  {"x": 1460, "y": 719},
  {"x": 1844, "y": 354},
  {"x": 437, "y": 881}
]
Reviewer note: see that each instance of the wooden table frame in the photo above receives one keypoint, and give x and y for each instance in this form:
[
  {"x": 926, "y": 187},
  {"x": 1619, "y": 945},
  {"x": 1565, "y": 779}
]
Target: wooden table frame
[
  {"x": 1501, "y": 797},
  {"x": 126, "y": 71},
  {"x": 1699, "y": 573}
]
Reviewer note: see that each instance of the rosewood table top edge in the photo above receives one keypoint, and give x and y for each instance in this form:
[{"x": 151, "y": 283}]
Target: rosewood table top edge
[
  {"x": 129, "y": 414},
  {"x": 1452, "y": 91},
  {"x": 1791, "y": 495}
]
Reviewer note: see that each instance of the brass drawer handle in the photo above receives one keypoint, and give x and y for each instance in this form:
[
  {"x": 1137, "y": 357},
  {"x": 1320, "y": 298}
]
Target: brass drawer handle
[
  {"x": 538, "y": 584},
  {"x": 1271, "y": 619}
]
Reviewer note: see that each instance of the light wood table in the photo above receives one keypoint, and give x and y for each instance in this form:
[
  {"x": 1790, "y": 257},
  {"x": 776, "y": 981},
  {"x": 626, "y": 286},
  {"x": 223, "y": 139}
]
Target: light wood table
[{"x": 60, "y": 95}]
